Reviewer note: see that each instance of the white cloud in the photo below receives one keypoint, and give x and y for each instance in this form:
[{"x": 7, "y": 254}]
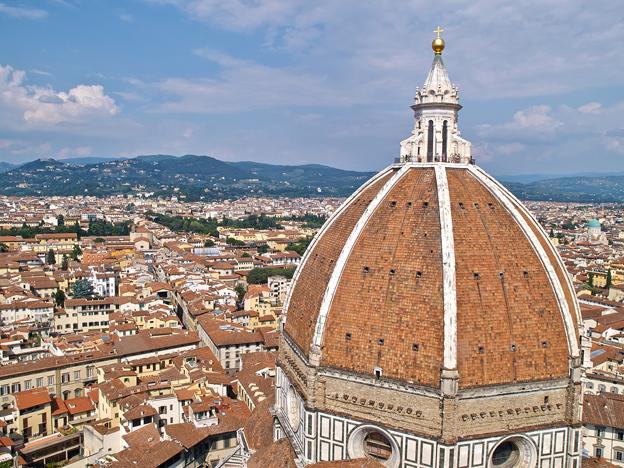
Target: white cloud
[
  {"x": 130, "y": 96},
  {"x": 535, "y": 117},
  {"x": 502, "y": 48},
  {"x": 590, "y": 108},
  {"x": 533, "y": 124},
  {"x": 43, "y": 106},
  {"x": 40, "y": 72},
  {"x": 6, "y": 143},
  {"x": 238, "y": 14},
  {"x": 126, "y": 17},
  {"x": 22, "y": 12},
  {"x": 75, "y": 151},
  {"x": 542, "y": 133},
  {"x": 242, "y": 85}
]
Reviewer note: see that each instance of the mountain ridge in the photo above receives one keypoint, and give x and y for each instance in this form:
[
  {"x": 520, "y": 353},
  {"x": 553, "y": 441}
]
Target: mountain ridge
[
  {"x": 197, "y": 177},
  {"x": 193, "y": 177}
]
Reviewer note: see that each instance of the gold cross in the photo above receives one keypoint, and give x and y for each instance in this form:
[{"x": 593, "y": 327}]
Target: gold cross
[{"x": 438, "y": 31}]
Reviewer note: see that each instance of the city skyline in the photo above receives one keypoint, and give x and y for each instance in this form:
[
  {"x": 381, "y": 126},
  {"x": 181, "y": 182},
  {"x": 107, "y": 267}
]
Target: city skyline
[{"x": 283, "y": 82}]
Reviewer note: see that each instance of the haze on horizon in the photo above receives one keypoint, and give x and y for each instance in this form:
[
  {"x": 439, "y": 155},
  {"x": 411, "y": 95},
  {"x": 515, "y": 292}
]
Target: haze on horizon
[{"x": 294, "y": 82}]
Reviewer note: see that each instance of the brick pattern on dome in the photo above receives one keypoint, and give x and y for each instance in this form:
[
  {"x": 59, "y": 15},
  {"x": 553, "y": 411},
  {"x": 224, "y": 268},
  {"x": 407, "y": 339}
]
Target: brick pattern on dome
[
  {"x": 307, "y": 295},
  {"x": 550, "y": 251},
  {"x": 509, "y": 324},
  {"x": 388, "y": 308}
]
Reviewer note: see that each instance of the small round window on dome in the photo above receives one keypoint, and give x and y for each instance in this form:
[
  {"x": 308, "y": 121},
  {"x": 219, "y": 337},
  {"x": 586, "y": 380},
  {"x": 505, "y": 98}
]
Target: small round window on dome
[
  {"x": 377, "y": 446},
  {"x": 506, "y": 455}
]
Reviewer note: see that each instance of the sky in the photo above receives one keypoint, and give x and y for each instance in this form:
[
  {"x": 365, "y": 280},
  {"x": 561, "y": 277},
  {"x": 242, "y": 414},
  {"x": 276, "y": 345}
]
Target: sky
[{"x": 297, "y": 81}]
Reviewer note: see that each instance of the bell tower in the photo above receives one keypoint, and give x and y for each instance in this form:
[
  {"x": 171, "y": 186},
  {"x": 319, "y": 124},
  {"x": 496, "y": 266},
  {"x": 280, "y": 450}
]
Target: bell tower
[{"x": 435, "y": 137}]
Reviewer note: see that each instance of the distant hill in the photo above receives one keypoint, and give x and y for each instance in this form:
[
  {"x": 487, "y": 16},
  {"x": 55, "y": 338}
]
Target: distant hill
[
  {"x": 191, "y": 177},
  {"x": 595, "y": 189},
  {"x": 5, "y": 166},
  {"x": 530, "y": 178},
  {"x": 89, "y": 160}
]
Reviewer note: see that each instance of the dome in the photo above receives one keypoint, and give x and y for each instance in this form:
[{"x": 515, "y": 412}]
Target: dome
[
  {"x": 433, "y": 267},
  {"x": 431, "y": 322},
  {"x": 594, "y": 223}
]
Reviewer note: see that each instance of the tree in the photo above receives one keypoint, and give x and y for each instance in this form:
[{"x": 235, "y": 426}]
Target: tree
[
  {"x": 590, "y": 279},
  {"x": 552, "y": 233},
  {"x": 609, "y": 279},
  {"x": 261, "y": 275},
  {"x": 76, "y": 252},
  {"x": 59, "y": 298},
  {"x": 234, "y": 242},
  {"x": 310, "y": 220},
  {"x": 209, "y": 243},
  {"x": 64, "y": 263},
  {"x": 77, "y": 229},
  {"x": 240, "y": 291},
  {"x": 51, "y": 258},
  {"x": 99, "y": 240},
  {"x": 60, "y": 220},
  {"x": 82, "y": 288},
  {"x": 246, "y": 255},
  {"x": 3, "y": 247},
  {"x": 99, "y": 228},
  {"x": 301, "y": 246}
]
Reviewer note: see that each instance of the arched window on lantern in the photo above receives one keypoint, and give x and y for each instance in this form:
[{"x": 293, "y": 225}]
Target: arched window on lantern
[{"x": 430, "y": 142}]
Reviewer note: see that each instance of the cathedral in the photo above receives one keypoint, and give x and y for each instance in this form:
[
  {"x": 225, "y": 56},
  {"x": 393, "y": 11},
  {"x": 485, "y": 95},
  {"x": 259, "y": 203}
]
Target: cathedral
[
  {"x": 593, "y": 234},
  {"x": 431, "y": 322}
]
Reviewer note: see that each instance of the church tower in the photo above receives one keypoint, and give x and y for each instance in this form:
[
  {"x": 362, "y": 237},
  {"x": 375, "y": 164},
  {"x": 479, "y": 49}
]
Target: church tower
[{"x": 435, "y": 137}]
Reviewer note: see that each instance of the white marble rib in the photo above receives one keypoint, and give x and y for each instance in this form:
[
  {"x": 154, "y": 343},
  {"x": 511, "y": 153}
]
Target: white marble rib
[{"x": 506, "y": 198}]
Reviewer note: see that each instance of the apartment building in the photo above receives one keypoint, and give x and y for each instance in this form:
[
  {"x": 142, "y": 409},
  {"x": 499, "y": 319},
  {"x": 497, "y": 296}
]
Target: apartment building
[
  {"x": 67, "y": 376},
  {"x": 85, "y": 314},
  {"x": 33, "y": 309},
  {"x": 228, "y": 341},
  {"x": 603, "y": 427}
]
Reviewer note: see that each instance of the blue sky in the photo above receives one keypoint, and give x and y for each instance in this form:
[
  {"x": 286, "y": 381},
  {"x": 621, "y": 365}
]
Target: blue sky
[{"x": 294, "y": 81}]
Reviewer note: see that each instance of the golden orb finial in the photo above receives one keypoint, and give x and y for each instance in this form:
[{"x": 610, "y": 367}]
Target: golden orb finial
[{"x": 438, "y": 43}]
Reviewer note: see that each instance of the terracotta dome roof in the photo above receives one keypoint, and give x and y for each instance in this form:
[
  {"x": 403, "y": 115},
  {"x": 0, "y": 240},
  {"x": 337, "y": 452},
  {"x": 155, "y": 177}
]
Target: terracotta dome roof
[{"x": 429, "y": 267}]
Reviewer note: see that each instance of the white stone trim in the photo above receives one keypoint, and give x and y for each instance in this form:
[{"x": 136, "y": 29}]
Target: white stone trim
[
  {"x": 447, "y": 242},
  {"x": 505, "y": 198},
  {"x": 526, "y": 447},
  {"x": 346, "y": 252},
  {"x": 364, "y": 379},
  {"x": 324, "y": 229}
]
